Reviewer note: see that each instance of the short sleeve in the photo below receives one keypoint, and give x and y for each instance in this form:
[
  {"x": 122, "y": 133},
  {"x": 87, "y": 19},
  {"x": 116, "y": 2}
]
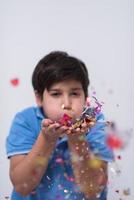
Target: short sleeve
[
  {"x": 21, "y": 136},
  {"x": 97, "y": 140}
]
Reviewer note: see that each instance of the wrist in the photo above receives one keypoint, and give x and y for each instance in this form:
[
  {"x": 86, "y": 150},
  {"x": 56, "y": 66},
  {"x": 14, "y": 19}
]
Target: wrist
[
  {"x": 49, "y": 140},
  {"x": 79, "y": 138}
]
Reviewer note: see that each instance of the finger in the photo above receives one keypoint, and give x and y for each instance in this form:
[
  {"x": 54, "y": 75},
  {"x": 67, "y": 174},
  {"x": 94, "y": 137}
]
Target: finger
[
  {"x": 46, "y": 122},
  {"x": 53, "y": 127},
  {"x": 84, "y": 125},
  {"x": 78, "y": 130},
  {"x": 68, "y": 132},
  {"x": 61, "y": 130}
]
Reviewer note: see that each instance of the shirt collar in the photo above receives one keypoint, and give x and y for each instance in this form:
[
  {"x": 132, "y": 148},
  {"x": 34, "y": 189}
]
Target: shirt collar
[{"x": 40, "y": 113}]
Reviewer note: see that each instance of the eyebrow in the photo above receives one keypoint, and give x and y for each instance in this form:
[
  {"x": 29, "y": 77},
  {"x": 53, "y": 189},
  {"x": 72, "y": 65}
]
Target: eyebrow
[{"x": 58, "y": 89}]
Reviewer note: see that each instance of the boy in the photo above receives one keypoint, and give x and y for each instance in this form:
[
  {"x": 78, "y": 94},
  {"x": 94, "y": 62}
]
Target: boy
[{"x": 50, "y": 160}]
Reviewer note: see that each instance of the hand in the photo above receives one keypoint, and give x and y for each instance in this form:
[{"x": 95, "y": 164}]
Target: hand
[
  {"x": 81, "y": 131},
  {"x": 52, "y": 130}
]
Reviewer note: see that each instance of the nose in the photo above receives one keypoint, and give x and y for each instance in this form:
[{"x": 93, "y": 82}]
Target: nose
[{"x": 66, "y": 103}]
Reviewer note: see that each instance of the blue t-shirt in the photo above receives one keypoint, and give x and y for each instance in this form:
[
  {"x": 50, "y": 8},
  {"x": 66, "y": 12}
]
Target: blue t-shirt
[{"x": 56, "y": 183}]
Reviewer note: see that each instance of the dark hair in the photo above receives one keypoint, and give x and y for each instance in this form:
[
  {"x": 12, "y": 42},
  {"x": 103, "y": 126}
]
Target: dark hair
[{"x": 58, "y": 66}]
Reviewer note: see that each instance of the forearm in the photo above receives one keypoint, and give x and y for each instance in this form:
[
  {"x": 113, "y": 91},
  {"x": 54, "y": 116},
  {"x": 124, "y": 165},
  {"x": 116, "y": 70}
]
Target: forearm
[
  {"x": 27, "y": 174},
  {"x": 90, "y": 178}
]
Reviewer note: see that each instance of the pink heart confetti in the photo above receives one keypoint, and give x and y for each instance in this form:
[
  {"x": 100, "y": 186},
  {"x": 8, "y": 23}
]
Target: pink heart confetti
[{"x": 14, "y": 82}]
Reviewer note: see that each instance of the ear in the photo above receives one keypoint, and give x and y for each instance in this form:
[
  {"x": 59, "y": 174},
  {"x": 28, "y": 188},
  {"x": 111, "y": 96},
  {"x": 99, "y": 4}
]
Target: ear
[{"x": 38, "y": 99}]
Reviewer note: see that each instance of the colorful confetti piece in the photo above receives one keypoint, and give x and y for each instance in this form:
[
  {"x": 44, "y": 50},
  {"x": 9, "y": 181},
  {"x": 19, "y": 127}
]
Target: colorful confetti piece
[{"x": 15, "y": 82}]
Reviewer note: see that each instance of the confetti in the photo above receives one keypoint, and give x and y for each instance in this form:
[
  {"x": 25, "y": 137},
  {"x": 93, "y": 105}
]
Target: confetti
[
  {"x": 88, "y": 115},
  {"x": 60, "y": 187},
  {"x": 110, "y": 91},
  {"x": 94, "y": 92},
  {"x": 117, "y": 191},
  {"x": 14, "y": 82},
  {"x": 48, "y": 178},
  {"x": 59, "y": 161},
  {"x": 65, "y": 120},
  {"x": 88, "y": 101},
  {"x": 66, "y": 191},
  {"x": 7, "y": 197},
  {"x": 114, "y": 168},
  {"x": 114, "y": 142},
  {"x": 67, "y": 196},
  {"x": 75, "y": 157},
  {"x": 119, "y": 157},
  {"x": 95, "y": 163},
  {"x": 71, "y": 179},
  {"x": 126, "y": 192}
]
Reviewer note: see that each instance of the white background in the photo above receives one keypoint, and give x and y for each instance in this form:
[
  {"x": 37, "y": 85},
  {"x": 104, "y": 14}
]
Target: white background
[{"x": 101, "y": 33}]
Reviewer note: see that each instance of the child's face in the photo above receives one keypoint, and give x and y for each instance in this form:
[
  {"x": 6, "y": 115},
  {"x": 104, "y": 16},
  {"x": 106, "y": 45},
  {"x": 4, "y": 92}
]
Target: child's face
[{"x": 63, "y": 97}]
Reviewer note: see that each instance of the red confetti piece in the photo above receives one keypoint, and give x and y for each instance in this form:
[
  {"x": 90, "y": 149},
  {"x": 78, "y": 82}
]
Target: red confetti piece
[
  {"x": 65, "y": 120},
  {"x": 114, "y": 142},
  {"x": 14, "y": 82}
]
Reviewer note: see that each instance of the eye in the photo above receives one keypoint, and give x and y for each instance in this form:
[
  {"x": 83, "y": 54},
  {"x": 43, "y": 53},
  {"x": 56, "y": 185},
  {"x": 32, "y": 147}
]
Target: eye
[
  {"x": 75, "y": 94},
  {"x": 55, "y": 94}
]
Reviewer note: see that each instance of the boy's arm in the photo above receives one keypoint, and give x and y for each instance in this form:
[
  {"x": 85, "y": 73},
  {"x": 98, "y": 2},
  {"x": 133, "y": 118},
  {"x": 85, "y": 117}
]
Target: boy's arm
[
  {"x": 90, "y": 174},
  {"x": 26, "y": 171}
]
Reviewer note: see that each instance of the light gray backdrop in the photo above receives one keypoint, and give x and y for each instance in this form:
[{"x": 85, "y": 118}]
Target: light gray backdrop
[{"x": 101, "y": 33}]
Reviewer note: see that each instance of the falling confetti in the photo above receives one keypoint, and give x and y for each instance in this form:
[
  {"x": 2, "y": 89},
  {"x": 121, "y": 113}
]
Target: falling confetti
[
  {"x": 48, "y": 178},
  {"x": 7, "y": 197},
  {"x": 114, "y": 168},
  {"x": 117, "y": 105},
  {"x": 95, "y": 163},
  {"x": 59, "y": 161},
  {"x": 75, "y": 158},
  {"x": 67, "y": 196},
  {"x": 88, "y": 101},
  {"x": 94, "y": 92},
  {"x": 110, "y": 91},
  {"x": 117, "y": 191},
  {"x": 71, "y": 179},
  {"x": 126, "y": 192},
  {"x": 114, "y": 142},
  {"x": 66, "y": 191},
  {"x": 15, "y": 82},
  {"x": 119, "y": 157}
]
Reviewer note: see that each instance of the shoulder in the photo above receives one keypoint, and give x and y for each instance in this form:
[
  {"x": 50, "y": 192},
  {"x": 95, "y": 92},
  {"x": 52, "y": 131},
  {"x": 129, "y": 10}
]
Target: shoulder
[
  {"x": 30, "y": 117},
  {"x": 100, "y": 116},
  {"x": 23, "y": 132},
  {"x": 29, "y": 114},
  {"x": 100, "y": 123},
  {"x": 30, "y": 111}
]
